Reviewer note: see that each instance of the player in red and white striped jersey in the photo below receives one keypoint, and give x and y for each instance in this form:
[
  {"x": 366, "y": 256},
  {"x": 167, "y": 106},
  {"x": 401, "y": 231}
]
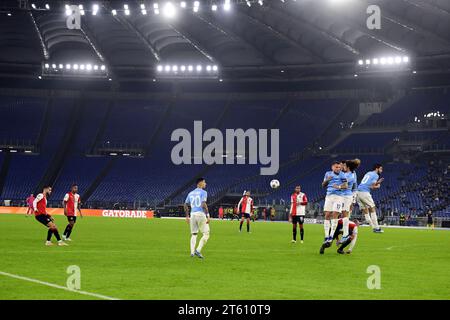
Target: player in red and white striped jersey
[
  {"x": 245, "y": 207},
  {"x": 41, "y": 215},
  {"x": 297, "y": 212},
  {"x": 71, "y": 205}
]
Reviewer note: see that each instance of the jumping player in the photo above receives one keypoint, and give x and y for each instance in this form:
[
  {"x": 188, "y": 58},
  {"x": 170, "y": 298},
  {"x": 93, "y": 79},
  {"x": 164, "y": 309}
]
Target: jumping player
[
  {"x": 348, "y": 167},
  {"x": 41, "y": 215},
  {"x": 370, "y": 182},
  {"x": 199, "y": 216},
  {"x": 334, "y": 181},
  {"x": 71, "y": 205},
  {"x": 246, "y": 209},
  {"x": 298, "y": 208},
  {"x": 351, "y": 239},
  {"x": 29, "y": 201}
]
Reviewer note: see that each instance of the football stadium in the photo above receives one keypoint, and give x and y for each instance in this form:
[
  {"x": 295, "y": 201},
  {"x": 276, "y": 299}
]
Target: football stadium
[{"x": 225, "y": 150}]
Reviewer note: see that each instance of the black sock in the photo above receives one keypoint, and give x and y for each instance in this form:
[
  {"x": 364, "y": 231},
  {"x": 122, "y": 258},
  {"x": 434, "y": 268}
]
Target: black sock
[
  {"x": 248, "y": 226},
  {"x": 294, "y": 233},
  {"x": 302, "y": 232},
  {"x": 346, "y": 243},
  {"x": 49, "y": 234},
  {"x": 69, "y": 231},
  {"x": 66, "y": 230},
  {"x": 56, "y": 233},
  {"x": 240, "y": 226}
]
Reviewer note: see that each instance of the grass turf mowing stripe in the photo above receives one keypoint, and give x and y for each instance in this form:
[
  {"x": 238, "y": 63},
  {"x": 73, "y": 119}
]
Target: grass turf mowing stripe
[{"x": 48, "y": 284}]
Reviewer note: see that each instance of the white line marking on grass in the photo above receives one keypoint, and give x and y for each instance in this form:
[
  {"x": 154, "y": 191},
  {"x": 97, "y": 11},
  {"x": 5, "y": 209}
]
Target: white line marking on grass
[{"x": 48, "y": 284}]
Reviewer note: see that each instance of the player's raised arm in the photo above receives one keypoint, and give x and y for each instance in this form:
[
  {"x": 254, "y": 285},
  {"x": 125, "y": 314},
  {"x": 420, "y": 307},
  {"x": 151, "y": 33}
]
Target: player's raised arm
[{"x": 326, "y": 180}]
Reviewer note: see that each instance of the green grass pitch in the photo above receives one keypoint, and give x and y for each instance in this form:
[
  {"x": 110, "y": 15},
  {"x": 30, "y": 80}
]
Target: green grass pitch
[{"x": 149, "y": 259}]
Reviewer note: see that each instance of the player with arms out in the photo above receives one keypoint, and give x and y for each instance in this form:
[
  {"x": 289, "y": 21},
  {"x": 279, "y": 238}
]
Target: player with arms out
[
  {"x": 41, "y": 215},
  {"x": 334, "y": 181},
  {"x": 245, "y": 207},
  {"x": 298, "y": 209},
  {"x": 71, "y": 205},
  {"x": 371, "y": 181},
  {"x": 29, "y": 202},
  {"x": 198, "y": 219},
  {"x": 348, "y": 167}
]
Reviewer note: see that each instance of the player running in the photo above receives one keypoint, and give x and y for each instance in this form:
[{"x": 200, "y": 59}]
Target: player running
[
  {"x": 335, "y": 182},
  {"x": 298, "y": 208},
  {"x": 29, "y": 202},
  {"x": 246, "y": 209},
  {"x": 41, "y": 215},
  {"x": 348, "y": 167},
  {"x": 199, "y": 216},
  {"x": 71, "y": 205},
  {"x": 370, "y": 182},
  {"x": 351, "y": 240}
]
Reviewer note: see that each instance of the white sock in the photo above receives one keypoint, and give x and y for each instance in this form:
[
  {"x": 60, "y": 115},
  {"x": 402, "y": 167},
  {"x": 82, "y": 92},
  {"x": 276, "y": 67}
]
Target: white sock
[
  {"x": 193, "y": 243},
  {"x": 202, "y": 242},
  {"x": 326, "y": 228},
  {"x": 367, "y": 216},
  {"x": 345, "y": 223},
  {"x": 352, "y": 244},
  {"x": 374, "y": 218},
  {"x": 334, "y": 223}
]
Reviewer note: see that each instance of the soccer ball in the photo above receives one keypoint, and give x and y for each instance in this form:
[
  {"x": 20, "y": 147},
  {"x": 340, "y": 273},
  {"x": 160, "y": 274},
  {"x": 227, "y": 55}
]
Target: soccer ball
[{"x": 274, "y": 184}]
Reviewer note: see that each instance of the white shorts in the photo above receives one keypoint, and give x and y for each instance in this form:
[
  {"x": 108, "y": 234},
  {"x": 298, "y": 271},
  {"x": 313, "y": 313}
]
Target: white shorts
[
  {"x": 354, "y": 197},
  {"x": 365, "y": 200},
  {"x": 333, "y": 203},
  {"x": 346, "y": 203},
  {"x": 198, "y": 223}
]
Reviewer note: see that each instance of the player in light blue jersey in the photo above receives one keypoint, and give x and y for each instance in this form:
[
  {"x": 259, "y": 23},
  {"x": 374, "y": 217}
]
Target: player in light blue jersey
[
  {"x": 335, "y": 182},
  {"x": 371, "y": 181},
  {"x": 198, "y": 217},
  {"x": 348, "y": 167}
]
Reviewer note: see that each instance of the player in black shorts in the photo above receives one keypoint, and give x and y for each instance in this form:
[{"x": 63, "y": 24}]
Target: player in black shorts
[{"x": 297, "y": 213}]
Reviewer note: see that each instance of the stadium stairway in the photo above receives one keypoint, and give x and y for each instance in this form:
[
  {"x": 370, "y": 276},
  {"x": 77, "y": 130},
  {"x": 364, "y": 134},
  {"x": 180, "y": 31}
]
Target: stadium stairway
[
  {"x": 205, "y": 168},
  {"x": 98, "y": 179},
  {"x": 61, "y": 155},
  {"x": 160, "y": 125},
  {"x": 4, "y": 169},
  {"x": 45, "y": 123},
  {"x": 102, "y": 127},
  {"x": 361, "y": 119}
]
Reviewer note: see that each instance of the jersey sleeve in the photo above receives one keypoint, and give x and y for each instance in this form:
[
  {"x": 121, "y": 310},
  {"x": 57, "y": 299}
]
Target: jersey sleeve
[
  {"x": 38, "y": 198},
  {"x": 187, "y": 201},
  {"x": 204, "y": 196},
  {"x": 304, "y": 200},
  {"x": 66, "y": 197},
  {"x": 325, "y": 176}
]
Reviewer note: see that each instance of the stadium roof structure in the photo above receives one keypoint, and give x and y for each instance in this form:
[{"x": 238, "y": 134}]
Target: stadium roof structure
[{"x": 276, "y": 40}]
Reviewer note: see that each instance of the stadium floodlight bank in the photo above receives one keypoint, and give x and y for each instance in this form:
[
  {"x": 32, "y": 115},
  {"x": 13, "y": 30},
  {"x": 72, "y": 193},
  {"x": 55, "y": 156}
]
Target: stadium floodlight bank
[
  {"x": 384, "y": 63},
  {"x": 84, "y": 70},
  {"x": 187, "y": 71}
]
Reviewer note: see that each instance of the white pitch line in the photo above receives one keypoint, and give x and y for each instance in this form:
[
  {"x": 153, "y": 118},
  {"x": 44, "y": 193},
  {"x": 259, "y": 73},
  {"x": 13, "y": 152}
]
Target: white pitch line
[{"x": 48, "y": 284}]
